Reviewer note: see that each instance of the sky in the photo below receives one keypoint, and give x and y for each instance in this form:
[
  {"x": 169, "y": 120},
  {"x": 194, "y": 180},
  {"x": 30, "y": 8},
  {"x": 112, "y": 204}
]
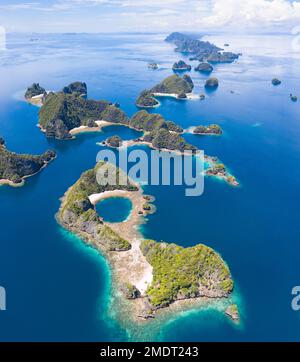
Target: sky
[{"x": 150, "y": 15}]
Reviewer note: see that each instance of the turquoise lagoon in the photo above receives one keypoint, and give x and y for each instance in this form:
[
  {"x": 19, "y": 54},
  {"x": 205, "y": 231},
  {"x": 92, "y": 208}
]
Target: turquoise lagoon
[
  {"x": 57, "y": 287},
  {"x": 114, "y": 209}
]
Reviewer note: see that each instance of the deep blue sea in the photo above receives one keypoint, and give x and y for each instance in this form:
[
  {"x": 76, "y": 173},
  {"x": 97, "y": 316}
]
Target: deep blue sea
[{"x": 58, "y": 289}]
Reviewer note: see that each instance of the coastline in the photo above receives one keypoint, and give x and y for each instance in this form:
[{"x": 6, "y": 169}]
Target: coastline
[
  {"x": 20, "y": 184},
  {"x": 189, "y": 96},
  {"x": 36, "y": 100},
  {"x": 83, "y": 129},
  {"x": 11, "y": 183},
  {"x": 149, "y": 107}
]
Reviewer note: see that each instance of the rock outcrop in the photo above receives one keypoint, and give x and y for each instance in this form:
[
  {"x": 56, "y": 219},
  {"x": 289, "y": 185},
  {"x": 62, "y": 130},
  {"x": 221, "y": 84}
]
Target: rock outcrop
[
  {"x": 212, "y": 129},
  {"x": 146, "y": 100},
  {"x": 204, "y": 68},
  {"x": 181, "y": 66},
  {"x": 212, "y": 83},
  {"x": 76, "y": 88},
  {"x": 34, "y": 90},
  {"x": 114, "y": 141}
]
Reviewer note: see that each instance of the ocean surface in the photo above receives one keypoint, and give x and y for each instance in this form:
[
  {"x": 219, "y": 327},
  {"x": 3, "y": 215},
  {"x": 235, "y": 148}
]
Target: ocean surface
[{"x": 58, "y": 289}]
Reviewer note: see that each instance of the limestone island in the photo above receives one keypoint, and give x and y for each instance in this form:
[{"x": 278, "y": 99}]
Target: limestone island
[
  {"x": 212, "y": 129},
  {"x": 35, "y": 94},
  {"x": 150, "y": 275},
  {"x": 14, "y": 168},
  {"x": 158, "y": 133},
  {"x": 181, "y": 66},
  {"x": 276, "y": 81},
  {"x": 76, "y": 88},
  {"x": 66, "y": 113},
  {"x": 173, "y": 86},
  {"x": 114, "y": 141},
  {"x": 200, "y": 50},
  {"x": 212, "y": 83},
  {"x": 146, "y": 100},
  {"x": 293, "y": 98},
  {"x": 204, "y": 68}
]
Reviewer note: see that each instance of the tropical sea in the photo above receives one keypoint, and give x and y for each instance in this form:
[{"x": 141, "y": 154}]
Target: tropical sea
[{"x": 59, "y": 289}]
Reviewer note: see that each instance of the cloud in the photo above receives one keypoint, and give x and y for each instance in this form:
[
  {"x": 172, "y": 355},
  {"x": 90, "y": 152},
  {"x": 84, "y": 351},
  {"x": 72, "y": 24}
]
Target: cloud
[
  {"x": 253, "y": 13},
  {"x": 156, "y": 15},
  {"x": 20, "y": 6}
]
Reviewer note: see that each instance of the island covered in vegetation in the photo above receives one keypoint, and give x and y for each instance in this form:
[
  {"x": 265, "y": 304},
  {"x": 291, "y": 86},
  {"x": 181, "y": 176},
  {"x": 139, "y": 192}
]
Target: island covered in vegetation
[
  {"x": 212, "y": 129},
  {"x": 151, "y": 275},
  {"x": 62, "y": 112},
  {"x": 14, "y": 167},
  {"x": 212, "y": 83},
  {"x": 158, "y": 133},
  {"x": 114, "y": 141},
  {"x": 146, "y": 100},
  {"x": 204, "y": 68},
  {"x": 200, "y": 50},
  {"x": 181, "y": 66},
  {"x": 172, "y": 86},
  {"x": 276, "y": 81},
  {"x": 67, "y": 112}
]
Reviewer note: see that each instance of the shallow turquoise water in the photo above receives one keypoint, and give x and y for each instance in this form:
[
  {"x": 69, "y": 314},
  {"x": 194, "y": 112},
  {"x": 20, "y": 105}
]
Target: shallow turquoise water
[
  {"x": 114, "y": 209},
  {"x": 58, "y": 288}
]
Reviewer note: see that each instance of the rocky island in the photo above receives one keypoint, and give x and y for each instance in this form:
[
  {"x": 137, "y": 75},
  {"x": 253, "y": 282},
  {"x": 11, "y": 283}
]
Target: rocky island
[
  {"x": 147, "y": 122},
  {"x": 276, "y": 81},
  {"x": 158, "y": 133},
  {"x": 293, "y": 98},
  {"x": 63, "y": 113},
  {"x": 212, "y": 83},
  {"x": 151, "y": 275},
  {"x": 76, "y": 88},
  {"x": 114, "y": 141},
  {"x": 181, "y": 66},
  {"x": 204, "y": 68},
  {"x": 173, "y": 86},
  {"x": 201, "y": 50},
  {"x": 162, "y": 139},
  {"x": 14, "y": 168},
  {"x": 35, "y": 94},
  {"x": 212, "y": 129},
  {"x": 146, "y": 100},
  {"x": 224, "y": 57}
]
